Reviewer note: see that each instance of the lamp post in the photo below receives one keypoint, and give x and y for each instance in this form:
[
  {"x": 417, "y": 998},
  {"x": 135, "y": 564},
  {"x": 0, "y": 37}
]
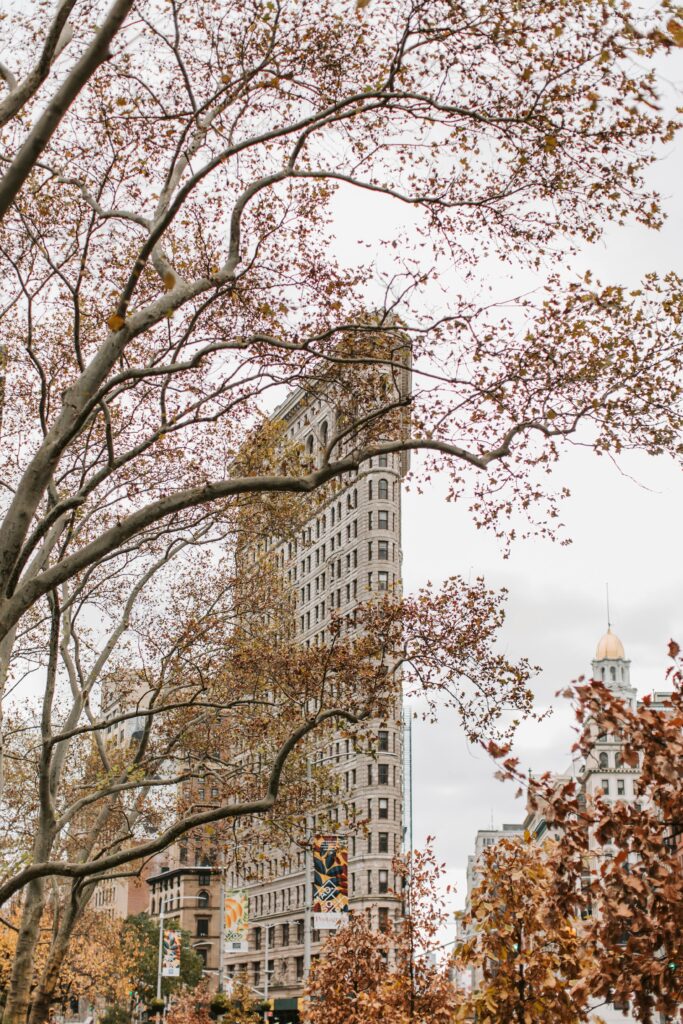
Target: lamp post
[{"x": 162, "y": 915}]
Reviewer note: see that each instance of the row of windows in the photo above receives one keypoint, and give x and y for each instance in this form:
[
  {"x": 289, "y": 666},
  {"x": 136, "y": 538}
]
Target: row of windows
[
  {"x": 604, "y": 760},
  {"x": 619, "y": 790}
]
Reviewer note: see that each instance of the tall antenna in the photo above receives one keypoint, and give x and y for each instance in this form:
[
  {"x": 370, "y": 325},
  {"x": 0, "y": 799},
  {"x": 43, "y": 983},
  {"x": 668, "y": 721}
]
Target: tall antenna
[{"x": 609, "y": 622}]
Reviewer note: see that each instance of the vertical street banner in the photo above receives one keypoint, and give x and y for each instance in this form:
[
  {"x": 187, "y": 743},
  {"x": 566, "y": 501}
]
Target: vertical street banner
[
  {"x": 235, "y": 921},
  {"x": 170, "y": 954},
  {"x": 330, "y": 881}
]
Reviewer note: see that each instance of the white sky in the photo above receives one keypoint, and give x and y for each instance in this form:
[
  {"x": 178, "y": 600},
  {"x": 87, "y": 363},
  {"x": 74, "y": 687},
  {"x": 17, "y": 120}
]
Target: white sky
[{"x": 625, "y": 524}]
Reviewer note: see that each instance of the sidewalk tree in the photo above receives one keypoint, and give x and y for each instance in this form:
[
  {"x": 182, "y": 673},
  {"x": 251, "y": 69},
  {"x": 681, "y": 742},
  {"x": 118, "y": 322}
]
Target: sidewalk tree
[
  {"x": 140, "y": 943},
  {"x": 170, "y": 179},
  {"x": 529, "y": 957},
  {"x": 391, "y": 976},
  {"x": 624, "y": 857}
]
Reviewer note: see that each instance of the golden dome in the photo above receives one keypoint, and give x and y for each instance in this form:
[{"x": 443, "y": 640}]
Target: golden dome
[{"x": 610, "y": 646}]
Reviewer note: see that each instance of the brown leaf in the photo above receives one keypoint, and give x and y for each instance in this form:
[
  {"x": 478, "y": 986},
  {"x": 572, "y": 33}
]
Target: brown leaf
[
  {"x": 675, "y": 30},
  {"x": 115, "y": 322}
]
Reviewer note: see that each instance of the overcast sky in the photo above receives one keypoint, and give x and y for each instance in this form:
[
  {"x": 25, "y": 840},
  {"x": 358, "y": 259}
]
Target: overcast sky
[{"x": 625, "y": 524}]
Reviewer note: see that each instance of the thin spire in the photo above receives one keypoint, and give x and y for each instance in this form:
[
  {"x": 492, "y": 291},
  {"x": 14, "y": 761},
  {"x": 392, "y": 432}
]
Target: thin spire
[{"x": 609, "y": 622}]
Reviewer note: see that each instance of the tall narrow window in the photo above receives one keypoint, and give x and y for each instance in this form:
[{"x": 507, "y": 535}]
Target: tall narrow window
[{"x": 383, "y": 489}]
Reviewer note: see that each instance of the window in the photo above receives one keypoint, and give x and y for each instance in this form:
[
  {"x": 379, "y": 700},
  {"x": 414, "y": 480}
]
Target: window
[
  {"x": 369, "y": 809},
  {"x": 300, "y": 939},
  {"x": 382, "y": 520},
  {"x": 383, "y": 774},
  {"x": 299, "y": 963},
  {"x": 382, "y": 581},
  {"x": 383, "y": 918},
  {"x": 202, "y": 898},
  {"x": 204, "y": 878},
  {"x": 257, "y": 938},
  {"x": 383, "y": 489},
  {"x": 369, "y": 551},
  {"x": 324, "y": 431},
  {"x": 383, "y": 808},
  {"x": 605, "y": 786},
  {"x": 621, "y": 787},
  {"x": 309, "y": 444},
  {"x": 369, "y": 842},
  {"x": 383, "y": 461},
  {"x": 369, "y": 775},
  {"x": 257, "y": 971},
  {"x": 383, "y": 881},
  {"x": 369, "y": 520},
  {"x": 369, "y": 490},
  {"x": 383, "y": 842},
  {"x": 285, "y": 934},
  {"x": 202, "y": 927},
  {"x": 383, "y": 550},
  {"x": 604, "y": 760},
  {"x": 369, "y": 882},
  {"x": 271, "y": 937},
  {"x": 383, "y": 739}
]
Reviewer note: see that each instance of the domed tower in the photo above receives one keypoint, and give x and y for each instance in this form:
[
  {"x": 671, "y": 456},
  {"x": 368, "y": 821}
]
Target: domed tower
[{"x": 612, "y": 667}]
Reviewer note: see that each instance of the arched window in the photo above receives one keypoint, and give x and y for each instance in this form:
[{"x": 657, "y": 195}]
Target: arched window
[
  {"x": 202, "y": 898},
  {"x": 604, "y": 760},
  {"x": 383, "y": 489},
  {"x": 603, "y": 671},
  {"x": 369, "y": 490},
  {"x": 309, "y": 444},
  {"x": 324, "y": 432},
  {"x": 613, "y": 673}
]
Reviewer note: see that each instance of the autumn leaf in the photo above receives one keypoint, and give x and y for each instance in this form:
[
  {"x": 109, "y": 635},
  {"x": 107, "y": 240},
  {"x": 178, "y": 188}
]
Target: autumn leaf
[
  {"x": 675, "y": 30},
  {"x": 115, "y": 322}
]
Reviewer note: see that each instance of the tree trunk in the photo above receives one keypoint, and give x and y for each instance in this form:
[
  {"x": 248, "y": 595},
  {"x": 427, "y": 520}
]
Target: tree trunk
[
  {"x": 44, "y": 992},
  {"x": 19, "y": 990}
]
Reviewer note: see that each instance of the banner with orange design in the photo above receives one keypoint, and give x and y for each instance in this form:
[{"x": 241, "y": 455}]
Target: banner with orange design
[{"x": 235, "y": 921}]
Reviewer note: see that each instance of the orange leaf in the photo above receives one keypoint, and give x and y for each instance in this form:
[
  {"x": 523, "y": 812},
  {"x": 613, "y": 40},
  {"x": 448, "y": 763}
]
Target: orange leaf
[{"x": 115, "y": 322}]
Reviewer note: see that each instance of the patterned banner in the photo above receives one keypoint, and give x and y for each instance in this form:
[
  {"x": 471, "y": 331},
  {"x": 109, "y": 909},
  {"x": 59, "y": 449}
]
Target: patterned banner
[
  {"x": 235, "y": 921},
  {"x": 170, "y": 954},
  {"x": 330, "y": 881}
]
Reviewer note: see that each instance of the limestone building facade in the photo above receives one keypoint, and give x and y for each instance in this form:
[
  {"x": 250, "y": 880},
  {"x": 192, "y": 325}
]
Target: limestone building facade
[{"x": 348, "y": 552}]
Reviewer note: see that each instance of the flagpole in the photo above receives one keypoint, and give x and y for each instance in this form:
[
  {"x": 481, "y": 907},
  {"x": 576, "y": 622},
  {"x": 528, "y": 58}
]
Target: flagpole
[
  {"x": 221, "y": 934},
  {"x": 162, "y": 907}
]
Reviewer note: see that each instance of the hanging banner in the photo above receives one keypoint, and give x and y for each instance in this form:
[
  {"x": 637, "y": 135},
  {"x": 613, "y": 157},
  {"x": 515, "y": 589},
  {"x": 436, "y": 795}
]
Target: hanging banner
[
  {"x": 235, "y": 921},
  {"x": 170, "y": 954},
  {"x": 330, "y": 881}
]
